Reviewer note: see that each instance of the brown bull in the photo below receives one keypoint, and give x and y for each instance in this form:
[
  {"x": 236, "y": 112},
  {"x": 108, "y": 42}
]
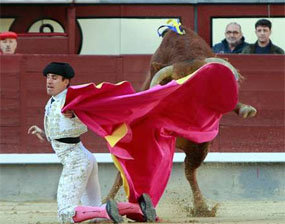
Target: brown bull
[{"x": 176, "y": 57}]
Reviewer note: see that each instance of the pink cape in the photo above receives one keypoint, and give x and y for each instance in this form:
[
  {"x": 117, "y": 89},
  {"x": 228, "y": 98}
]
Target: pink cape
[{"x": 191, "y": 108}]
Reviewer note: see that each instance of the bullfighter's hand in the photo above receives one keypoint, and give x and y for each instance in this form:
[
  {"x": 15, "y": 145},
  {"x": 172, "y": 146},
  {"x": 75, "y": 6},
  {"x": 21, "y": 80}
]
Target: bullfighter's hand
[
  {"x": 68, "y": 114},
  {"x": 35, "y": 130}
]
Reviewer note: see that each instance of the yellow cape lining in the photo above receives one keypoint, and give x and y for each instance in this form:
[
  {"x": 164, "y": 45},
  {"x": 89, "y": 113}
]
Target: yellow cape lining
[
  {"x": 113, "y": 139},
  {"x": 125, "y": 182}
]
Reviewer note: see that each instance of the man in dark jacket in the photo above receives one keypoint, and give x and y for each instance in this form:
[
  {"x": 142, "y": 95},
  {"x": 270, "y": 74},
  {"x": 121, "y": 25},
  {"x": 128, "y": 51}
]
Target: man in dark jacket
[
  {"x": 263, "y": 45},
  {"x": 234, "y": 41}
]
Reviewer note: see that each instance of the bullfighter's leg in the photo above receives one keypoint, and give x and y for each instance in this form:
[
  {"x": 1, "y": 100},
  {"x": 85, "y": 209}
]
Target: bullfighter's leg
[
  {"x": 142, "y": 211},
  {"x": 79, "y": 174},
  {"x": 195, "y": 155},
  {"x": 108, "y": 212}
]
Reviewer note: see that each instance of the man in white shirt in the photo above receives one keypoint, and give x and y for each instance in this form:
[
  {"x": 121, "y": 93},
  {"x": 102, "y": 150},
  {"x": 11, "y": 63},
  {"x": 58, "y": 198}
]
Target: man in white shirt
[{"x": 79, "y": 179}]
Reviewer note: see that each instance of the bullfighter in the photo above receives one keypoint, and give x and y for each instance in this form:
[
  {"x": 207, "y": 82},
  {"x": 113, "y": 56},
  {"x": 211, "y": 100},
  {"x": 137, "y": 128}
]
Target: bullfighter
[{"x": 79, "y": 179}]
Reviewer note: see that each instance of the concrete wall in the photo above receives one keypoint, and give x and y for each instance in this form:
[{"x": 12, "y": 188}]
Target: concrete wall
[{"x": 218, "y": 181}]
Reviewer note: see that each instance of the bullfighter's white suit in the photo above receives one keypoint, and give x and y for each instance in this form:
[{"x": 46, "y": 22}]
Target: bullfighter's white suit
[{"x": 79, "y": 179}]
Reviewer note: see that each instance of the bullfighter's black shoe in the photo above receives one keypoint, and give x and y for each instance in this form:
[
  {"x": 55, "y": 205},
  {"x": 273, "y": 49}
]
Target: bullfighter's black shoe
[
  {"x": 147, "y": 208},
  {"x": 113, "y": 212}
]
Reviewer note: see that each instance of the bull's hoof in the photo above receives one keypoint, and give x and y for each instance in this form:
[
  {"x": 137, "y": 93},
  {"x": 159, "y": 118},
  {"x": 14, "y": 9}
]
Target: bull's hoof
[
  {"x": 204, "y": 211},
  {"x": 247, "y": 111}
]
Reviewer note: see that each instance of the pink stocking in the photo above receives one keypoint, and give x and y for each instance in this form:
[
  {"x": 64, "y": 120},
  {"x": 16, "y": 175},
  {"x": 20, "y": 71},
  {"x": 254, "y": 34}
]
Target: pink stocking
[
  {"x": 131, "y": 210},
  {"x": 83, "y": 213}
]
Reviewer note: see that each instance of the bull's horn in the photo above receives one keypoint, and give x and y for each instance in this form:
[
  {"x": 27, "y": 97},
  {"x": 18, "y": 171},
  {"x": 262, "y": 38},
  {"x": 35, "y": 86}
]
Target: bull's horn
[
  {"x": 161, "y": 75},
  {"x": 226, "y": 63}
]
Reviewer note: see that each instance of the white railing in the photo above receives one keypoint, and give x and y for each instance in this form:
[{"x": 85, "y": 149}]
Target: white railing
[
  {"x": 137, "y": 1},
  {"x": 213, "y": 157}
]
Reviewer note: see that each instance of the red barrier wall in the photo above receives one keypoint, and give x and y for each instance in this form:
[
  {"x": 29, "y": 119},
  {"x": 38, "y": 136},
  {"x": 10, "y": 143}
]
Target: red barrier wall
[
  {"x": 23, "y": 98},
  {"x": 42, "y": 45},
  {"x": 23, "y": 94},
  {"x": 264, "y": 89}
]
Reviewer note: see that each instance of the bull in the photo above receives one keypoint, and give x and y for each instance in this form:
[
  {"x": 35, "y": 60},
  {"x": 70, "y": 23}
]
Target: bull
[{"x": 177, "y": 56}]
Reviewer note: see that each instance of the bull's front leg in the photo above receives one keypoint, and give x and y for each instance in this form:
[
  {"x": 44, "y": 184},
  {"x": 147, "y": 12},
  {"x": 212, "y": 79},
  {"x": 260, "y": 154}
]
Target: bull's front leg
[
  {"x": 115, "y": 188},
  {"x": 244, "y": 110},
  {"x": 195, "y": 155}
]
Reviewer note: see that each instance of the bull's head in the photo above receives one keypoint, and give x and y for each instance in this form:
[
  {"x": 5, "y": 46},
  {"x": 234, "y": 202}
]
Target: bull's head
[{"x": 180, "y": 70}]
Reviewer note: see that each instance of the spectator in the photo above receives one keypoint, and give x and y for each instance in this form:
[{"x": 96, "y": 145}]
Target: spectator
[
  {"x": 263, "y": 45},
  {"x": 234, "y": 41},
  {"x": 8, "y": 42}
]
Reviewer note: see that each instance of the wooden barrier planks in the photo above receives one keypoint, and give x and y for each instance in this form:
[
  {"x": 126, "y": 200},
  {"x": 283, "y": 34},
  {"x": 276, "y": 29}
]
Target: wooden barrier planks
[{"x": 23, "y": 97}]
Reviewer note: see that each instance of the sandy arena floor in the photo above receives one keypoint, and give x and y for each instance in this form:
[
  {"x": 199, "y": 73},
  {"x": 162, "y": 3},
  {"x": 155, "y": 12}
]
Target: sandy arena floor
[{"x": 230, "y": 212}]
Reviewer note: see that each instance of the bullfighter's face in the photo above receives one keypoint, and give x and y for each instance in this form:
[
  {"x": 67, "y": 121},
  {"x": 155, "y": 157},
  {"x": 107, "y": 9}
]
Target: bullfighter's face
[
  {"x": 233, "y": 34},
  {"x": 56, "y": 84}
]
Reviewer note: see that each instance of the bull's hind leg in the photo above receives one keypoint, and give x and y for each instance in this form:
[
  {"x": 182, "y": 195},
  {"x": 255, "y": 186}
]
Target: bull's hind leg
[
  {"x": 115, "y": 188},
  {"x": 195, "y": 155}
]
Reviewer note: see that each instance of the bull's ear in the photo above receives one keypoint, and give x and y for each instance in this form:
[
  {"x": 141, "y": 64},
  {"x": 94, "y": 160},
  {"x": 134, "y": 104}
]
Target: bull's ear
[{"x": 157, "y": 66}]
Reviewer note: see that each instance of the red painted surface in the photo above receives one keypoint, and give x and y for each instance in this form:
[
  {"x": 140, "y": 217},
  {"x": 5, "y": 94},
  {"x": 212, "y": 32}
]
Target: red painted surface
[
  {"x": 185, "y": 12},
  {"x": 71, "y": 29},
  {"x": 42, "y": 45},
  {"x": 264, "y": 88},
  {"x": 23, "y": 98}
]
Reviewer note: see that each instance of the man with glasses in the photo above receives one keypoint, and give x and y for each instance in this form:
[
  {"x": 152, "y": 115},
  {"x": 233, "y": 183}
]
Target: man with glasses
[{"x": 234, "y": 41}]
